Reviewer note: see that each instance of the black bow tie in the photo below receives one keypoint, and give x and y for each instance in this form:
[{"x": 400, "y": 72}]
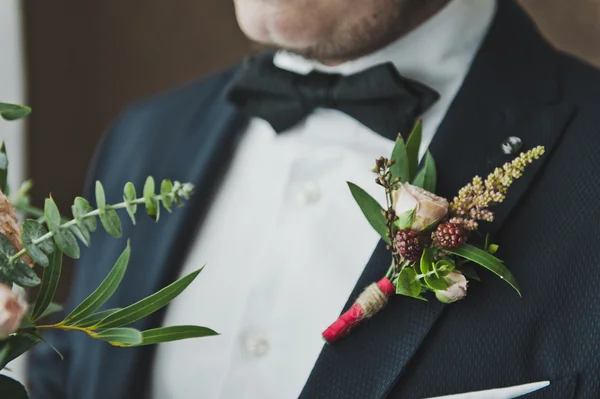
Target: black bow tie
[{"x": 379, "y": 97}]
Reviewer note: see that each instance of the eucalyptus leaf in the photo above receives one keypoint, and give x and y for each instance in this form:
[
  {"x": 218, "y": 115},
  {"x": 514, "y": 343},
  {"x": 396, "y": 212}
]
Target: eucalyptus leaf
[
  {"x": 152, "y": 208},
  {"x": 130, "y": 195},
  {"x": 81, "y": 234},
  {"x": 64, "y": 239},
  {"x": 93, "y": 319},
  {"x": 100, "y": 196},
  {"x": 111, "y": 222},
  {"x": 486, "y": 260},
  {"x": 12, "y": 112},
  {"x": 408, "y": 283},
  {"x": 174, "y": 333},
  {"x": 371, "y": 209},
  {"x": 426, "y": 178},
  {"x": 31, "y": 231},
  {"x": 11, "y": 389},
  {"x": 80, "y": 208},
  {"x": 165, "y": 190},
  {"x": 49, "y": 285},
  {"x": 104, "y": 291},
  {"x": 400, "y": 169},
  {"x": 3, "y": 169},
  {"x": 413, "y": 145},
  {"x": 14, "y": 346},
  {"x": 120, "y": 336},
  {"x": 22, "y": 274},
  {"x": 51, "y": 214},
  {"x": 148, "y": 305},
  {"x": 16, "y": 271}
]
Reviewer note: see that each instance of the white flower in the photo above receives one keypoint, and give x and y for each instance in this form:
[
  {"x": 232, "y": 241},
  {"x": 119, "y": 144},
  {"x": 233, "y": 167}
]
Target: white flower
[
  {"x": 12, "y": 310},
  {"x": 429, "y": 208},
  {"x": 457, "y": 288}
]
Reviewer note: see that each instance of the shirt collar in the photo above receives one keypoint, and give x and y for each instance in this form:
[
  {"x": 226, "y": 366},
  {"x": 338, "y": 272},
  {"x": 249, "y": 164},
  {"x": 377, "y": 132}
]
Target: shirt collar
[{"x": 433, "y": 53}]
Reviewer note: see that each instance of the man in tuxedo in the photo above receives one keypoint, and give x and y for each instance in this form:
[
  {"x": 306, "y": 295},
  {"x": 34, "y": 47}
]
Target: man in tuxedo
[{"x": 269, "y": 145}]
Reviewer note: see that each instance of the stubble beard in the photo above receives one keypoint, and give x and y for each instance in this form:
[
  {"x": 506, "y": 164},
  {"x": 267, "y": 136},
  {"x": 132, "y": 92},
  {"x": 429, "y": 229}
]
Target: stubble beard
[{"x": 371, "y": 33}]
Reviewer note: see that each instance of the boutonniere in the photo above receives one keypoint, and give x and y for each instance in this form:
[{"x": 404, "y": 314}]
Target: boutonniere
[{"x": 428, "y": 236}]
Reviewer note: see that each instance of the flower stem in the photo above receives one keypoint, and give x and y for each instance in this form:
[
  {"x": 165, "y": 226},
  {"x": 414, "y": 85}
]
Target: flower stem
[{"x": 66, "y": 328}]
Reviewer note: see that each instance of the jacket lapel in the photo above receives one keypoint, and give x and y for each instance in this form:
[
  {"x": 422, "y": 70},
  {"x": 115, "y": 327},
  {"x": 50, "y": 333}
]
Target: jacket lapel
[
  {"x": 204, "y": 149},
  {"x": 511, "y": 90}
]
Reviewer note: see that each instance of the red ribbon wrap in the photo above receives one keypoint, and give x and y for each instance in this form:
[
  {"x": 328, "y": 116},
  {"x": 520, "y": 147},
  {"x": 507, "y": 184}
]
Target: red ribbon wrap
[{"x": 351, "y": 318}]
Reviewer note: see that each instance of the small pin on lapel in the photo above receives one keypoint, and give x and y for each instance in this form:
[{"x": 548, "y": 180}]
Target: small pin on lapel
[{"x": 512, "y": 145}]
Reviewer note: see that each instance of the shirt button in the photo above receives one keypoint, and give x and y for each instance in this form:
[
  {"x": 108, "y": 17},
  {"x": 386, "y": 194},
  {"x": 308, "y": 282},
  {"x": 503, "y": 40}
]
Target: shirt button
[
  {"x": 308, "y": 193},
  {"x": 257, "y": 344}
]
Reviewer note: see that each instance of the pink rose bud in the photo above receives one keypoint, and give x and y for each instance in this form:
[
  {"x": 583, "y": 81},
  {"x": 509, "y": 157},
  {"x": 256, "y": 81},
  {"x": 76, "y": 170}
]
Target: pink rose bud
[
  {"x": 12, "y": 310},
  {"x": 457, "y": 288},
  {"x": 429, "y": 208}
]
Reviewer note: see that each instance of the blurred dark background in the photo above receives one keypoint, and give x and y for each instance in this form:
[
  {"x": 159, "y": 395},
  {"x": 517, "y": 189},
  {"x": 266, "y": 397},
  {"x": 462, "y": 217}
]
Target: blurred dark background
[{"x": 88, "y": 59}]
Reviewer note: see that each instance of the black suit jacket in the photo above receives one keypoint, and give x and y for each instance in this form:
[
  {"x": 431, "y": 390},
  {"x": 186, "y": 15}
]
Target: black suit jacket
[{"x": 548, "y": 231}]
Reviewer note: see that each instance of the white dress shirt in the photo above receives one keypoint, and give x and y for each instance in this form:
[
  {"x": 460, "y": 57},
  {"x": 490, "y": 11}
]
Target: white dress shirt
[{"x": 284, "y": 240}]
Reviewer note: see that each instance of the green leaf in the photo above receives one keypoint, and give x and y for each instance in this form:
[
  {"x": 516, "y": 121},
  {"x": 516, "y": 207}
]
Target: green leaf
[
  {"x": 469, "y": 272},
  {"x": 120, "y": 336},
  {"x": 54, "y": 348},
  {"x": 443, "y": 267},
  {"x": 3, "y": 169},
  {"x": 401, "y": 167},
  {"x": 14, "y": 346},
  {"x": 22, "y": 274},
  {"x": 486, "y": 260},
  {"x": 130, "y": 195},
  {"x": 408, "y": 284},
  {"x": 148, "y": 305},
  {"x": 150, "y": 200},
  {"x": 405, "y": 220},
  {"x": 50, "y": 280},
  {"x": 371, "y": 209},
  {"x": 427, "y": 260},
  {"x": 427, "y": 176},
  {"x": 174, "y": 333},
  {"x": 51, "y": 213},
  {"x": 100, "y": 196},
  {"x": 493, "y": 248},
  {"x": 31, "y": 231},
  {"x": 12, "y": 112},
  {"x": 16, "y": 271},
  {"x": 413, "y": 145},
  {"x": 80, "y": 208},
  {"x": 93, "y": 319},
  {"x": 104, "y": 291},
  {"x": 81, "y": 233},
  {"x": 11, "y": 389},
  {"x": 165, "y": 190},
  {"x": 111, "y": 222},
  {"x": 64, "y": 239},
  {"x": 51, "y": 309}
]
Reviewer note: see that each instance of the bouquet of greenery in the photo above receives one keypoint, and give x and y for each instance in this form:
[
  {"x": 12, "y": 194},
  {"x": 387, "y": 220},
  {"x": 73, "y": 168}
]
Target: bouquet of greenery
[{"x": 39, "y": 245}]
